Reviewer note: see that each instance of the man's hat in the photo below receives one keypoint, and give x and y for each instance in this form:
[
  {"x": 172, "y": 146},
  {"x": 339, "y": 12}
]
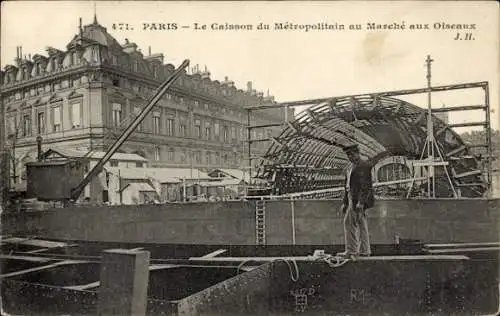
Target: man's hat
[{"x": 351, "y": 148}]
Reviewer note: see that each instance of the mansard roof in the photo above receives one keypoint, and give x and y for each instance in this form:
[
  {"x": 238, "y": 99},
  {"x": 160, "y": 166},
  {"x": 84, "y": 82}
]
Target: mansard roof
[{"x": 96, "y": 33}]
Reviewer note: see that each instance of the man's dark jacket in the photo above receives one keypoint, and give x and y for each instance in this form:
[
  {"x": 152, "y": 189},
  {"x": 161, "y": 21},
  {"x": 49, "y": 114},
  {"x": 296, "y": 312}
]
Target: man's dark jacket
[{"x": 360, "y": 186}]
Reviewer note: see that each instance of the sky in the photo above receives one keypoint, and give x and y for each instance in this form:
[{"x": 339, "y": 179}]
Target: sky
[{"x": 292, "y": 64}]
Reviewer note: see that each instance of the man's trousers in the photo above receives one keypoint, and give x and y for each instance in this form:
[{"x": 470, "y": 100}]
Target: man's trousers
[{"x": 357, "y": 238}]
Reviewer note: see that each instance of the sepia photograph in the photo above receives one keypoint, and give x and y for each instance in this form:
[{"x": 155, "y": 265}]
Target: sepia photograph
[{"x": 250, "y": 158}]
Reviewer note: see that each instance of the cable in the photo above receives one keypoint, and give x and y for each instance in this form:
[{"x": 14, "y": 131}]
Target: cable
[
  {"x": 296, "y": 278},
  {"x": 329, "y": 259},
  {"x": 292, "y": 277}
]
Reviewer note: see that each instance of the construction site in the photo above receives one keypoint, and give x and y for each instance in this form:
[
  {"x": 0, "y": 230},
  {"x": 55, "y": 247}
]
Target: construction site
[{"x": 271, "y": 248}]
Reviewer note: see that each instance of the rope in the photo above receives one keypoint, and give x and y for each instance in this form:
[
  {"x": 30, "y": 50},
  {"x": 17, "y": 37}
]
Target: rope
[
  {"x": 292, "y": 277},
  {"x": 333, "y": 261},
  {"x": 296, "y": 278}
]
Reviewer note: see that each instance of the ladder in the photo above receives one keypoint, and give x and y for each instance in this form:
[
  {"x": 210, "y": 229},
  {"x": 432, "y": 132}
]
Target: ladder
[{"x": 260, "y": 222}]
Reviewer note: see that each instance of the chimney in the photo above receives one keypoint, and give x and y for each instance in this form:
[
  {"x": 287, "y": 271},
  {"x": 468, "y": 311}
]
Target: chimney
[
  {"x": 149, "y": 50},
  {"x": 80, "y": 27},
  {"x": 39, "y": 147},
  {"x": 18, "y": 55},
  {"x": 249, "y": 86}
]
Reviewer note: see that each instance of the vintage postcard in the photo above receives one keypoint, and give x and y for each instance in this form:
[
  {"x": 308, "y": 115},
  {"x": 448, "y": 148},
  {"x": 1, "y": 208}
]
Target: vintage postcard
[{"x": 250, "y": 158}]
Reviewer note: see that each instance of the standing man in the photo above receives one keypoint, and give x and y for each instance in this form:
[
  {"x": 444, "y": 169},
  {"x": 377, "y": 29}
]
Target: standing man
[{"x": 358, "y": 197}]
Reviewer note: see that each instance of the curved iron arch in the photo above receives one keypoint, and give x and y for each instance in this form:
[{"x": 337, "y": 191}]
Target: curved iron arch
[{"x": 307, "y": 155}]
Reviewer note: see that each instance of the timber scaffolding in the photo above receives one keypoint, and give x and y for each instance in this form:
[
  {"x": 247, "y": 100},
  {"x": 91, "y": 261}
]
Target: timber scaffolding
[
  {"x": 56, "y": 277},
  {"x": 306, "y": 159}
]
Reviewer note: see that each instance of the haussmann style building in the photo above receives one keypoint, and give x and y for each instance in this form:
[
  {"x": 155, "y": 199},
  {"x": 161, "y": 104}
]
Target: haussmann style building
[{"x": 82, "y": 98}]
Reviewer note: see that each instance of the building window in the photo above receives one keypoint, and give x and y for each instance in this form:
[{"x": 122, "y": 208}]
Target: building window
[
  {"x": 37, "y": 69},
  {"x": 181, "y": 100},
  {"x": 113, "y": 163},
  {"x": 117, "y": 114},
  {"x": 135, "y": 65},
  {"x": 26, "y": 125},
  {"x": 224, "y": 158},
  {"x": 139, "y": 164},
  {"x": 137, "y": 110},
  {"x": 217, "y": 158},
  {"x": 197, "y": 128},
  {"x": 205, "y": 106},
  {"x": 155, "y": 71},
  {"x": 233, "y": 132},
  {"x": 241, "y": 133},
  {"x": 76, "y": 115},
  {"x": 170, "y": 127},
  {"x": 169, "y": 96},
  {"x": 196, "y": 102},
  {"x": 207, "y": 158},
  {"x": 224, "y": 133},
  {"x": 171, "y": 154},
  {"x": 182, "y": 129},
  {"x": 198, "y": 156},
  {"x": 156, "y": 122},
  {"x": 157, "y": 153},
  {"x": 207, "y": 132},
  {"x": 41, "y": 122},
  {"x": 56, "y": 119},
  {"x": 216, "y": 130}
]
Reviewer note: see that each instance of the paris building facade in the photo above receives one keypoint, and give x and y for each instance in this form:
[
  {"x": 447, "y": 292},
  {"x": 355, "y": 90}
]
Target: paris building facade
[{"x": 84, "y": 97}]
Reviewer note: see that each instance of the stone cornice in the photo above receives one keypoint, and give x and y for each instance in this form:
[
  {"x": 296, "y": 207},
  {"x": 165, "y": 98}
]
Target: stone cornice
[
  {"x": 81, "y": 69},
  {"x": 45, "y": 79}
]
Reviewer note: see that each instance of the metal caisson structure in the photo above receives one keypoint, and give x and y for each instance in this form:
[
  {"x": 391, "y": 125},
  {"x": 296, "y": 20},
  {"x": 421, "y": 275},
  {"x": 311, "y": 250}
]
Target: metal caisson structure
[{"x": 307, "y": 155}]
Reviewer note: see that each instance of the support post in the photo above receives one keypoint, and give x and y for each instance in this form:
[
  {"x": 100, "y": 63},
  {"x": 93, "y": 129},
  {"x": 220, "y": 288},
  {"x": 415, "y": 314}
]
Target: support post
[
  {"x": 123, "y": 282},
  {"x": 292, "y": 204},
  {"x": 249, "y": 133},
  {"x": 488, "y": 139},
  {"x": 430, "y": 135}
]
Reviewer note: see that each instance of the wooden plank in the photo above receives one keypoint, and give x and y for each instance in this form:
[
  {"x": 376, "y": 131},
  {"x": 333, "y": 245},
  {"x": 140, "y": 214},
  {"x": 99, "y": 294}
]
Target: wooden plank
[
  {"x": 312, "y": 259},
  {"x": 214, "y": 253},
  {"x": 50, "y": 266},
  {"x": 43, "y": 243},
  {"x": 461, "y": 250},
  {"x": 82, "y": 287},
  {"x": 155, "y": 267},
  {"x": 25, "y": 258},
  {"x": 463, "y": 245},
  {"x": 13, "y": 240}
]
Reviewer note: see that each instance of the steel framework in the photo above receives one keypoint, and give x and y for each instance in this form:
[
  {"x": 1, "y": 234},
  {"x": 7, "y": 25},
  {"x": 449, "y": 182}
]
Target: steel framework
[{"x": 307, "y": 155}]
